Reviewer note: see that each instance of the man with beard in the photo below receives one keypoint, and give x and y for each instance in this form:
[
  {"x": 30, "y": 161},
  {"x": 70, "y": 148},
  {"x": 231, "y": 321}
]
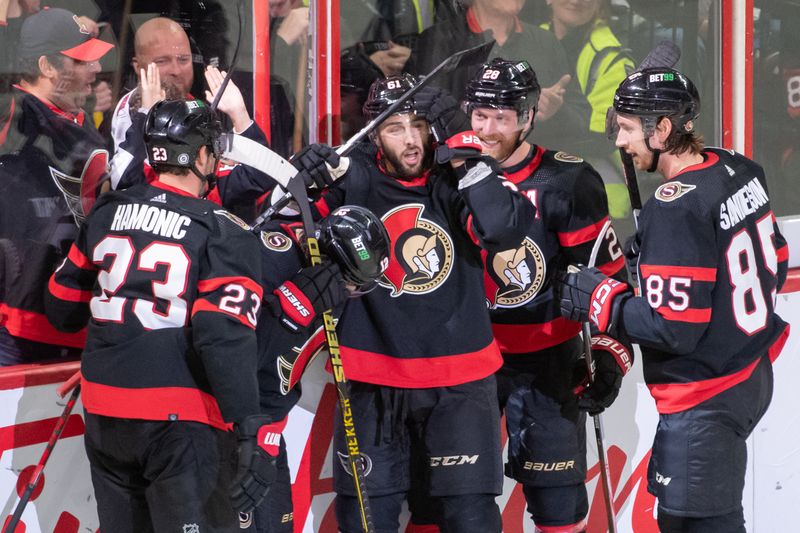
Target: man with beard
[
  {"x": 542, "y": 352},
  {"x": 710, "y": 259},
  {"x": 51, "y": 146},
  {"x": 163, "y": 63},
  {"x": 418, "y": 350}
]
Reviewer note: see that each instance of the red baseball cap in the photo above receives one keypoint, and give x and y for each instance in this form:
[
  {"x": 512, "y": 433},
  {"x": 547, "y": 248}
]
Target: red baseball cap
[{"x": 55, "y": 30}]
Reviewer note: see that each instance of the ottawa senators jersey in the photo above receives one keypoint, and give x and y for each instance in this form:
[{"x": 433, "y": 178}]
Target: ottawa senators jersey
[
  {"x": 571, "y": 212},
  {"x": 43, "y": 159},
  {"x": 171, "y": 283},
  {"x": 711, "y": 261},
  {"x": 426, "y": 325},
  {"x": 283, "y": 354}
]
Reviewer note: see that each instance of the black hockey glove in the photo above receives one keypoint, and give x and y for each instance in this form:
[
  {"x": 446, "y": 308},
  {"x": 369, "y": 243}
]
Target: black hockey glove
[
  {"x": 631, "y": 251},
  {"x": 612, "y": 360},
  {"x": 259, "y": 442},
  {"x": 464, "y": 145},
  {"x": 311, "y": 292},
  {"x": 588, "y": 294},
  {"x": 310, "y": 161},
  {"x": 441, "y": 111}
]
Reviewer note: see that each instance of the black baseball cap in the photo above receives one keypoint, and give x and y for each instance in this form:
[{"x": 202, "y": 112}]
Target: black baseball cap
[{"x": 55, "y": 30}]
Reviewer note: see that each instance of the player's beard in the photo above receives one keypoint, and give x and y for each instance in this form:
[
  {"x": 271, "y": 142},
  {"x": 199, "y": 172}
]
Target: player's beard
[
  {"x": 399, "y": 169},
  {"x": 506, "y": 145}
]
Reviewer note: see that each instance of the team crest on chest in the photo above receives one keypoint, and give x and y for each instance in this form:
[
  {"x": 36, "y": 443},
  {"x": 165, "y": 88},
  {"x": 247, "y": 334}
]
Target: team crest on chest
[
  {"x": 422, "y": 252},
  {"x": 673, "y": 190},
  {"x": 515, "y": 276}
]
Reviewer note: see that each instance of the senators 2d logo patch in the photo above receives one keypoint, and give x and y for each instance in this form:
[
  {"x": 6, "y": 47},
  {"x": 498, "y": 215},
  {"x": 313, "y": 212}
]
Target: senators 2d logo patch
[
  {"x": 233, "y": 218},
  {"x": 673, "y": 190},
  {"x": 275, "y": 241}
]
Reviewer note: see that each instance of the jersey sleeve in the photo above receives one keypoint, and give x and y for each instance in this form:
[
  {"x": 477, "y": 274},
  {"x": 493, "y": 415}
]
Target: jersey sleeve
[
  {"x": 677, "y": 273},
  {"x": 582, "y": 224},
  {"x": 782, "y": 251},
  {"x": 128, "y": 163},
  {"x": 495, "y": 215},
  {"x": 224, "y": 317},
  {"x": 70, "y": 288}
]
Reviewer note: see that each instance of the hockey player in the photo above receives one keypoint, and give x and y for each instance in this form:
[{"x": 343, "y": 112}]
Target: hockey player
[
  {"x": 706, "y": 319},
  {"x": 171, "y": 285},
  {"x": 545, "y": 417},
  {"x": 418, "y": 350},
  {"x": 354, "y": 240},
  {"x": 47, "y": 148}
]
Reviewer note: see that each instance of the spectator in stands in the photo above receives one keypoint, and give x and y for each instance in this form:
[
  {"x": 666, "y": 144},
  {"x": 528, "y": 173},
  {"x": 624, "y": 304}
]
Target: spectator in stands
[
  {"x": 484, "y": 20},
  {"x": 50, "y": 149},
  {"x": 599, "y": 63}
]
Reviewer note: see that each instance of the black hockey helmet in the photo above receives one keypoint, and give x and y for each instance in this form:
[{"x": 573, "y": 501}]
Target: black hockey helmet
[
  {"x": 175, "y": 131},
  {"x": 357, "y": 241},
  {"x": 659, "y": 92},
  {"x": 385, "y": 91},
  {"x": 504, "y": 84}
]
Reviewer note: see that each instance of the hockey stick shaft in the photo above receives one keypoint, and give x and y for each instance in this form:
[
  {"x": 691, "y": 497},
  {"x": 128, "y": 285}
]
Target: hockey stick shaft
[
  {"x": 470, "y": 56},
  {"x": 605, "y": 474},
  {"x": 37, "y": 473},
  {"x": 296, "y": 188}
]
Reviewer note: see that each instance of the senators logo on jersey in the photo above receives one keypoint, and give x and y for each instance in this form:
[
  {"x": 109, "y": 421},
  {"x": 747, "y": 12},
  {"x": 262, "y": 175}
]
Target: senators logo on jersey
[
  {"x": 422, "y": 252},
  {"x": 514, "y": 277}
]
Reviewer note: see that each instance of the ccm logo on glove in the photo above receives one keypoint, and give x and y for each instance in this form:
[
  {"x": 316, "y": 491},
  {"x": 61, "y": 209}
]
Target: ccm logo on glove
[{"x": 601, "y": 308}]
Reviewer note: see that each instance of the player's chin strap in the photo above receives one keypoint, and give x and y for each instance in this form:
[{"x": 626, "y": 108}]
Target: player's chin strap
[
  {"x": 656, "y": 155},
  {"x": 210, "y": 179}
]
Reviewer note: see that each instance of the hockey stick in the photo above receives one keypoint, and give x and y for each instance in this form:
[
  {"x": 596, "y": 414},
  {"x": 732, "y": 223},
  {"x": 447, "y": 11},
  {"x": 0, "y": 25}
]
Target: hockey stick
[
  {"x": 11, "y": 526},
  {"x": 605, "y": 475},
  {"x": 470, "y": 56},
  {"x": 665, "y": 54}
]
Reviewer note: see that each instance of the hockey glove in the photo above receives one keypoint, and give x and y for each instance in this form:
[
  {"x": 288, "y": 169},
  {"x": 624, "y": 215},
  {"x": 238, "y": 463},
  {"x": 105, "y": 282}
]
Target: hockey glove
[
  {"x": 319, "y": 164},
  {"x": 612, "y": 360},
  {"x": 631, "y": 251},
  {"x": 311, "y": 292},
  {"x": 464, "y": 145},
  {"x": 259, "y": 442},
  {"x": 587, "y": 294},
  {"x": 441, "y": 111}
]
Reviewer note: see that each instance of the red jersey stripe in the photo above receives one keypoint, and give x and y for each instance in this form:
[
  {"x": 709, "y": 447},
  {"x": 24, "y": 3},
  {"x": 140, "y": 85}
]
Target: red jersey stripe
[
  {"x": 80, "y": 260},
  {"x": 155, "y": 403},
  {"x": 420, "y": 372},
  {"x": 609, "y": 269},
  {"x": 65, "y": 293},
  {"x": 35, "y": 327},
  {"x": 202, "y": 305},
  {"x": 527, "y": 338},
  {"x": 582, "y": 235},
  {"x": 669, "y": 271},
  {"x": 210, "y": 285},
  {"x": 783, "y": 253},
  {"x": 677, "y": 397},
  {"x": 694, "y": 316}
]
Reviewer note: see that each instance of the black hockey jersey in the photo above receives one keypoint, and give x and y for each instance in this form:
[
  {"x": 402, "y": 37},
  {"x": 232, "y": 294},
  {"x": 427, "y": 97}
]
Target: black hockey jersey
[
  {"x": 46, "y": 154},
  {"x": 172, "y": 285},
  {"x": 711, "y": 261},
  {"x": 571, "y": 212},
  {"x": 426, "y": 325}
]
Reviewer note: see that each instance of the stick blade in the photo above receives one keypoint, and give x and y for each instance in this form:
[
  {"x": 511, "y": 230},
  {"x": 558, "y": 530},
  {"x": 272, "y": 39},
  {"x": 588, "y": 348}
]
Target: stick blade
[
  {"x": 476, "y": 55},
  {"x": 665, "y": 54}
]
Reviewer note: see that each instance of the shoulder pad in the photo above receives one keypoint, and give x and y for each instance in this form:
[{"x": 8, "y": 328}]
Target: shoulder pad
[{"x": 672, "y": 190}]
